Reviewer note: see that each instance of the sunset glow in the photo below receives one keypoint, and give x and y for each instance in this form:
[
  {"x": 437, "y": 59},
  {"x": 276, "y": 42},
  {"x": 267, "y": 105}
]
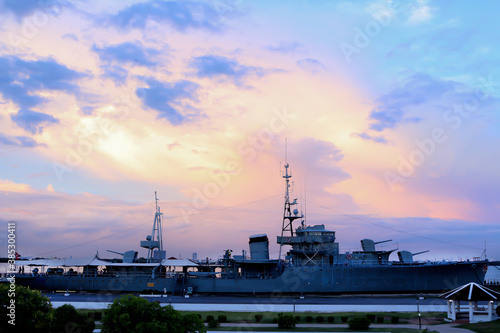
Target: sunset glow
[{"x": 389, "y": 109}]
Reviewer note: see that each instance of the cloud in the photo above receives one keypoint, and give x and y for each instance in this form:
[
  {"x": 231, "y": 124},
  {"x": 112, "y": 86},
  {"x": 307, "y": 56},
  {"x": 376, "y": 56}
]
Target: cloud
[
  {"x": 311, "y": 65},
  {"x": 287, "y": 47},
  {"x": 19, "y": 8},
  {"x": 117, "y": 74},
  {"x": 414, "y": 91},
  {"x": 365, "y": 136},
  {"x": 180, "y": 15},
  {"x": 21, "y": 80},
  {"x": 212, "y": 66},
  {"x": 115, "y": 56},
  {"x": 127, "y": 53},
  {"x": 7, "y": 185},
  {"x": 33, "y": 121},
  {"x": 310, "y": 156},
  {"x": 167, "y": 98},
  {"x": 18, "y": 141},
  {"x": 420, "y": 12},
  {"x": 70, "y": 37},
  {"x": 87, "y": 110}
]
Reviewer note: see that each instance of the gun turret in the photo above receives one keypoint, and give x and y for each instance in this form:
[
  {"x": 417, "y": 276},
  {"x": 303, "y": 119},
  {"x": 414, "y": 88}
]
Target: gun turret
[
  {"x": 128, "y": 257},
  {"x": 406, "y": 257},
  {"x": 368, "y": 245}
]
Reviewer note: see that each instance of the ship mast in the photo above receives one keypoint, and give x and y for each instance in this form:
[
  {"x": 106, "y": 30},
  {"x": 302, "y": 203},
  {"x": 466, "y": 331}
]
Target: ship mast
[
  {"x": 288, "y": 215},
  {"x": 155, "y": 240}
]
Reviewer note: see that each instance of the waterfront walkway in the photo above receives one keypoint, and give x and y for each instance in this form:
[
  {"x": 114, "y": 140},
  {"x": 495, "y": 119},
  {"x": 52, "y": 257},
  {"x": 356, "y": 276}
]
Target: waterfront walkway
[{"x": 442, "y": 328}]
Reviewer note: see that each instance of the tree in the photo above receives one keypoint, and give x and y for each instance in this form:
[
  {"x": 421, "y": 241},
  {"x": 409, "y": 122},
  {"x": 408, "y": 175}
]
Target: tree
[
  {"x": 66, "y": 319},
  {"x": 359, "y": 323},
  {"x": 286, "y": 320},
  {"x": 33, "y": 311},
  {"x": 134, "y": 314}
]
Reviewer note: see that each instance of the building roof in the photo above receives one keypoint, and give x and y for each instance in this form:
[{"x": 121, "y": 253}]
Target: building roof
[
  {"x": 94, "y": 261},
  {"x": 472, "y": 292}
]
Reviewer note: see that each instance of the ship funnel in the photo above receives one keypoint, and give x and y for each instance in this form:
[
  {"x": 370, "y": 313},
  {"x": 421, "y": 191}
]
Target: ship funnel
[{"x": 259, "y": 247}]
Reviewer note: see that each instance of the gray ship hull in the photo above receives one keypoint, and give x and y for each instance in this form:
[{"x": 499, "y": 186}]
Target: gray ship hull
[
  {"x": 414, "y": 278},
  {"x": 384, "y": 279},
  {"x": 99, "y": 284}
]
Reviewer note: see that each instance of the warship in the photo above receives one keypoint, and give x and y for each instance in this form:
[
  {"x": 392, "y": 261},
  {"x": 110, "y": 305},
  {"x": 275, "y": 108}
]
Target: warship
[{"x": 312, "y": 263}]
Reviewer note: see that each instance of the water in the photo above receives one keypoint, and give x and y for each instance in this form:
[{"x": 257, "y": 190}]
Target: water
[{"x": 493, "y": 274}]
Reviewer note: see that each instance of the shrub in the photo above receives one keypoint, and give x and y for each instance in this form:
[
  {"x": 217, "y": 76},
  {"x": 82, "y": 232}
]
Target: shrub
[
  {"x": 258, "y": 317},
  {"x": 221, "y": 318},
  {"x": 358, "y": 323},
  {"x": 297, "y": 319},
  {"x": 275, "y": 320},
  {"x": 371, "y": 317},
  {"x": 213, "y": 323},
  {"x": 380, "y": 319},
  {"x": 210, "y": 318},
  {"x": 199, "y": 316},
  {"x": 394, "y": 319},
  {"x": 320, "y": 319},
  {"x": 286, "y": 321},
  {"x": 343, "y": 319},
  {"x": 134, "y": 314},
  {"x": 331, "y": 319},
  {"x": 67, "y": 319},
  {"x": 309, "y": 319}
]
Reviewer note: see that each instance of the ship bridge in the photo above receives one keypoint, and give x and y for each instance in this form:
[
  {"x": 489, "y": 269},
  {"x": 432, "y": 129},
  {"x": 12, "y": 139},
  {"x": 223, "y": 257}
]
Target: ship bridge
[{"x": 316, "y": 234}]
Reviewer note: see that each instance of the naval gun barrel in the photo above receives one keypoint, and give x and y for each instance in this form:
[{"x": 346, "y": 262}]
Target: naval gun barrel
[
  {"x": 414, "y": 254},
  {"x": 389, "y": 240},
  {"x": 116, "y": 252}
]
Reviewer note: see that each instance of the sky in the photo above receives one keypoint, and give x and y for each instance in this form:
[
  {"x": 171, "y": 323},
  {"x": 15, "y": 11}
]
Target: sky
[{"x": 386, "y": 111}]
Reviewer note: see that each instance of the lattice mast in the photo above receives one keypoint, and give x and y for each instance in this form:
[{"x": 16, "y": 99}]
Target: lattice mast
[
  {"x": 155, "y": 240},
  {"x": 288, "y": 215}
]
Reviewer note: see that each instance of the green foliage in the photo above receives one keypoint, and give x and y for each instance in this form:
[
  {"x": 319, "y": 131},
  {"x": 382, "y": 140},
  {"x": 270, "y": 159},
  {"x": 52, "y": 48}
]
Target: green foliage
[
  {"x": 66, "y": 319},
  {"x": 297, "y": 319},
  {"x": 134, "y": 314},
  {"x": 221, "y": 318},
  {"x": 33, "y": 311},
  {"x": 309, "y": 319},
  {"x": 320, "y": 319},
  {"x": 331, "y": 319},
  {"x": 258, "y": 317},
  {"x": 359, "y": 323},
  {"x": 343, "y": 319},
  {"x": 380, "y": 319},
  {"x": 191, "y": 323},
  {"x": 210, "y": 318},
  {"x": 371, "y": 317},
  {"x": 213, "y": 323},
  {"x": 394, "y": 319},
  {"x": 286, "y": 321}
]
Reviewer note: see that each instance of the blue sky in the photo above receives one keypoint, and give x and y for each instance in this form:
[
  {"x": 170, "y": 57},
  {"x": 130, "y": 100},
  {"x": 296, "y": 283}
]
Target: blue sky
[{"x": 390, "y": 109}]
